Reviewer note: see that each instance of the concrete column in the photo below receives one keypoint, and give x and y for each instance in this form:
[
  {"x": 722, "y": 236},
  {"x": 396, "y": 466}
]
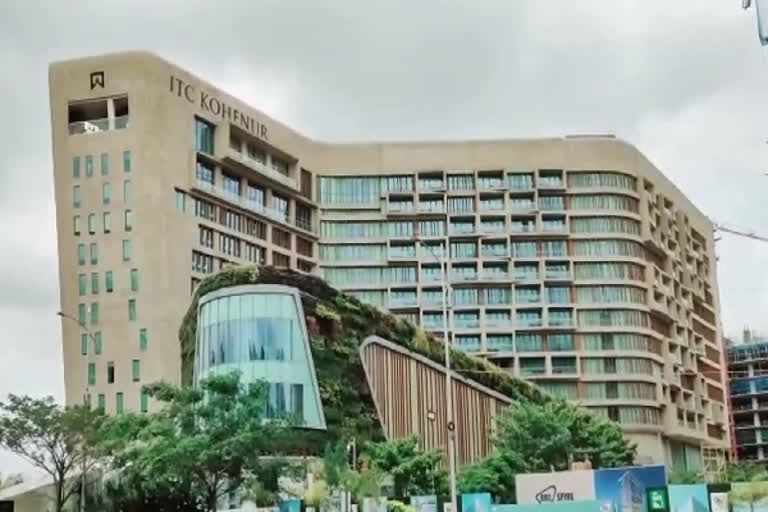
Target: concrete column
[{"x": 111, "y": 113}]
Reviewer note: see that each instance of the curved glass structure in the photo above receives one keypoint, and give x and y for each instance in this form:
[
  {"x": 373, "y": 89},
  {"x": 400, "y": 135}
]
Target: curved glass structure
[{"x": 260, "y": 331}]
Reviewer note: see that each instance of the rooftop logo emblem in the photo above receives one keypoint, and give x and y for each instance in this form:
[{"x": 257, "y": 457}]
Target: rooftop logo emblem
[
  {"x": 97, "y": 79},
  {"x": 550, "y": 495}
]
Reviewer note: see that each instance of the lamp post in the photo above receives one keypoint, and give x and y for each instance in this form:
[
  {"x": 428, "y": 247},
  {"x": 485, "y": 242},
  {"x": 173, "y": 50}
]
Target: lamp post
[
  {"x": 86, "y": 401},
  {"x": 445, "y": 266}
]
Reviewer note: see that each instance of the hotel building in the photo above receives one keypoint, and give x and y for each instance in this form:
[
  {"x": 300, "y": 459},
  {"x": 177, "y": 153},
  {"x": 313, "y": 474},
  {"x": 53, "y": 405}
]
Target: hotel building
[{"x": 573, "y": 261}]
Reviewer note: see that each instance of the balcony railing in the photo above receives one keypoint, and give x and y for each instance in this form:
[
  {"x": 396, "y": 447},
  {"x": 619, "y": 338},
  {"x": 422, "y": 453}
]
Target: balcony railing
[
  {"x": 496, "y": 276},
  {"x": 537, "y": 370},
  {"x": 563, "y": 370},
  {"x": 469, "y": 323},
  {"x": 561, "y": 322},
  {"x": 98, "y": 125},
  {"x": 526, "y": 276},
  {"x": 557, "y": 274},
  {"x": 273, "y": 213},
  {"x": 458, "y": 276},
  {"x": 529, "y": 322},
  {"x": 490, "y": 322},
  {"x": 500, "y": 347}
]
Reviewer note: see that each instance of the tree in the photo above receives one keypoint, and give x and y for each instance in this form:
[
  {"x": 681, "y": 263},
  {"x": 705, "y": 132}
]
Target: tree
[
  {"x": 10, "y": 480},
  {"x": 745, "y": 472},
  {"x": 413, "y": 471},
  {"x": 204, "y": 441},
  {"x": 749, "y": 493},
  {"x": 684, "y": 477},
  {"x": 534, "y": 437},
  {"x": 59, "y": 441}
]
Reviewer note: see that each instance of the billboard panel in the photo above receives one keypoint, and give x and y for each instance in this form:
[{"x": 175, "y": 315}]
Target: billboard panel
[
  {"x": 540, "y": 488},
  {"x": 689, "y": 498},
  {"x": 624, "y": 489},
  {"x": 560, "y": 506}
]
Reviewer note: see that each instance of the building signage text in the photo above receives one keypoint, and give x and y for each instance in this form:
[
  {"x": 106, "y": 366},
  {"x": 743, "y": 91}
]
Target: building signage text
[
  {"x": 550, "y": 495},
  {"x": 217, "y": 107}
]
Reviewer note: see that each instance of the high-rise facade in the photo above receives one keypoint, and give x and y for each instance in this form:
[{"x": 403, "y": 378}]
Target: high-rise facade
[
  {"x": 748, "y": 374},
  {"x": 572, "y": 261}
]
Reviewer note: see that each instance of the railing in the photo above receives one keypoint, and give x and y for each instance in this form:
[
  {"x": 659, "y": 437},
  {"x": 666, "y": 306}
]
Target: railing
[
  {"x": 402, "y": 302},
  {"x": 566, "y": 322},
  {"x": 121, "y": 122},
  {"x": 502, "y": 276},
  {"x": 494, "y": 254},
  {"x": 563, "y": 370},
  {"x": 466, "y": 324},
  {"x": 551, "y": 183},
  {"x": 463, "y": 277},
  {"x": 498, "y": 323},
  {"x": 557, "y": 274},
  {"x": 432, "y": 208},
  {"x": 523, "y": 229},
  {"x": 527, "y": 300},
  {"x": 92, "y": 126},
  {"x": 526, "y": 276},
  {"x": 533, "y": 371},
  {"x": 254, "y": 206},
  {"x": 553, "y": 228},
  {"x": 500, "y": 347},
  {"x": 533, "y": 322},
  {"x": 492, "y": 229}
]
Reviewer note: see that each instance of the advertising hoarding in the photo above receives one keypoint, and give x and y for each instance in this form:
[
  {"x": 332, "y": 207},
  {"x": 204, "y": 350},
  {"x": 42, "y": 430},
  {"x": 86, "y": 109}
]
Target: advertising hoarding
[
  {"x": 624, "y": 489},
  {"x": 560, "y": 506},
  {"x": 688, "y": 498},
  {"x": 541, "y": 488}
]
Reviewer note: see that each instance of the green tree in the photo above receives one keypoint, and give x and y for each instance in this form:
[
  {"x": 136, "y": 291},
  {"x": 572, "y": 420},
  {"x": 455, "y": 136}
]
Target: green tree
[
  {"x": 545, "y": 437},
  {"x": 204, "y": 441},
  {"x": 60, "y": 441},
  {"x": 745, "y": 472},
  {"x": 685, "y": 477},
  {"x": 412, "y": 470},
  {"x": 748, "y": 493}
]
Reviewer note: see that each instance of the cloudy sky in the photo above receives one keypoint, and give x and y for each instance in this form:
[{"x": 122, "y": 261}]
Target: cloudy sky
[{"x": 685, "y": 81}]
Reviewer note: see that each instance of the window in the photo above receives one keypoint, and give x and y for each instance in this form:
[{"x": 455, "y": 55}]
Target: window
[
  {"x": 134, "y": 279},
  {"x": 601, "y": 179},
  {"x": 303, "y": 217},
  {"x": 126, "y": 250},
  {"x": 81, "y": 314},
  {"x": 206, "y": 236},
  {"x": 102, "y": 402},
  {"x": 560, "y": 342},
  {"x": 550, "y": 178},
  {"x": 81, "y": 254},
  {"x": 136, "y": 370},
  {"x": 279, "y": 165},
  {"x": 94, "y": 283},
  {"x": 91, "y": 374},
  {"x": 110, "y": 372},
  {"x": 204, "y": 209},
  {"x": 532, "y": 366},
  {"x": 350, "y": 190},
  {"x": 180, "y": 200},
  {"x": 280, "y": 207},
  {"x": 82, "y": 285},
  {"x": 97, "y": 343},
  {"x": 126, "y": 161},
  {"x": 468, "y": 343},
  {"x": 84, "y": 344},
  {"x": 520, "y": 181},
  {"x": 132, "y": 309},
  {"x": 94, "y": 254},
  {"x": 461, "y": 204},
  {"x": 104, "y": 164},
  {"x": 94, "y": 313},
  {"x": 76, "y": 167},
  {"x": 143, "y": 340},
  {"x": 118, "y": 403},
  {"x": 605, "y": 225},
  {"x": 77, "y": 196},
  {"x": 460, "y": 182},
  {"x": 144, "y": 401},
  {"x": 202, "y": 262},
  {"x": 527, "y": 294},
  {"x": 77, "y": 225},
  {"x": 106, "y": 193},
  {"x": 128, "y": 220},
  {"x": 204, "y": 136},
  {"x": 281, "y": 238},
  {"x": 230, "y": 185},
  {"x": 88, "y": 166},
  {"x": 551, "y": 203},
  {"x": 256, "y": 154},
  {"x": 558, "y": 294},
  {"x": 127, "y": 191},
  {"x": 499, "y": 343},
  {"x": 92, "y": 223},
  {"x": 230, "y": 219},
  {"x": 281, "y": 260},
  {"x": 231, "y": 245}
]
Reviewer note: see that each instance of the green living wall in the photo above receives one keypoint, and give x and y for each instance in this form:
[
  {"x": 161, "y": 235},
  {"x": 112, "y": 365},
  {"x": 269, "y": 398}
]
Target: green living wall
[{"x": 337, "y": 325}]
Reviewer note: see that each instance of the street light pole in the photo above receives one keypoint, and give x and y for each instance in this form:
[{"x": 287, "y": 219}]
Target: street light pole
[
  {"x": 445, "y": 266},
  {"x": 86, "y": 403}
]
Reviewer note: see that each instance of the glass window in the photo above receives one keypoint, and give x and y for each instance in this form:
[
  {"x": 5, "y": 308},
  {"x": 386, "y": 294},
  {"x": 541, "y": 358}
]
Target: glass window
[
  {"x": 180, "y": 200},
  {"x": 82, "y": 285},
  {"x": 499, "y": 342},
  {"x": 136, "y": 370},
  {"x": 126, "y": 250},
  {"x": 560, "y": 342},
  {"x": 520, "y": 181},
  {"x": 81, "y": 313},
  {"x": 92, "y": 223},
  {"x": 127, "y": 191},
  {"x": 128, "y": 220},
  {"x": 97, "y": 342},
  {"x": 144, "y": 401},
  {"x": 102, "y": 402},
  {"x": 84, "y": 344},
  {"x": 132, "y": 309},
  {"x": 204, "y": 136},
  {"x": 280, "y": 207},
  {"x": 107, "y": 222},
  {"x": 91, "y": 374},
  {"x": 94, "y": 283},
  {"x": 77, "y": 196},
  {"x": 118, "y": 403},
  {"x": 143, "y": 339},
  {"x": 94, "y": 313},
  {"x": 77, "y": 225},
  {"x": 134, "y": 279},
  {"x": 109, "y": 281},
  {"x": 76, "y": 167},
  {"x": 461, "y": 182},
  {"x": 106, "y": 193},
  {"x": 104, "y": 164},
  {"x": 88, "y": 166},
  {"x": 350, "y": 190},
  {"x": 94, "y": 254},
  {"x": 126, "y": 161},
  {"x": 81, "y": 254},
  {"x": 110, "y": 372}
]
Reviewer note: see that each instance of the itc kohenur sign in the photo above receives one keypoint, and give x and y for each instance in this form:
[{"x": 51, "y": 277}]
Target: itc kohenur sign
[{"x": 219, "y": 108}]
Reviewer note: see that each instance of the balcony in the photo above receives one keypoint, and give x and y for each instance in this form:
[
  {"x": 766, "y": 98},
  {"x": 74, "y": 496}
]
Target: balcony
[
  {"x": 463, "y": 276},
  {"x": 532, "y": 370},
  {"x": 272, "y": 213},
  {"x": 466, "y": 323},
  {"x": 560, "y": 322},
  {"x": 498, "y": 322},
  {"x": 429, "y": 208},
  {"x": 244, "y": 160},
  {"x": 98, "y": 125},
  {"x": 564, "y": 369},
  {"x": 495, "y": 276},
  {"x": 556, "y": 275},
  {"x": 527, "y": 276},
  {"x": 528, "y": 322},
  {"x": 402, "y": 302}
]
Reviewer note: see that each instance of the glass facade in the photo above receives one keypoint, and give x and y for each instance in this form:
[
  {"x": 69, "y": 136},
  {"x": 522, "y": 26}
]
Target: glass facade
[{"x": 260, "y": 331}]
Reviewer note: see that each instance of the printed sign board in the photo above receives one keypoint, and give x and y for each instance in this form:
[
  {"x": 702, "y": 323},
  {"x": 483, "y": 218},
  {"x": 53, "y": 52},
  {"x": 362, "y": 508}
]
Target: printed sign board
[
  {"x": 542, "y": 488},
  {"x": 560, "y": 506},
  {"x": 624, "y": 489}
]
